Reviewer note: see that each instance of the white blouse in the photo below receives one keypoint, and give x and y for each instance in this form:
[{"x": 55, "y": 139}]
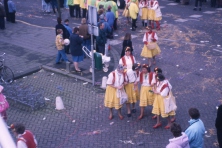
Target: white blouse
[
  {"x": 119, "y": 79},
  {"x": 166, "y": 90}
]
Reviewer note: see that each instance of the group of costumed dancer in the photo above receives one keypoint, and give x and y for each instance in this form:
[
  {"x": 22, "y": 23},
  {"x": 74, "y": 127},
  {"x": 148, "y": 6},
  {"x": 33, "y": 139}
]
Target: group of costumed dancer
[
  {"x": 154, "y": 87},
  {"x": 148, "y": 10}
]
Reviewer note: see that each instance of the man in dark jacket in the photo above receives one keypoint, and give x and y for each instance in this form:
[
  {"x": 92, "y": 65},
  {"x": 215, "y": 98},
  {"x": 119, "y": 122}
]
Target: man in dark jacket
[
  {"x": 2, "y": 16},
  {"x": 60, "y": 26},
  {"x": 11, "y": 10},
  {"x": 101, "y": 39},
  {"x": 6, "y": 10},
  {"x": 83, "y": 31}
]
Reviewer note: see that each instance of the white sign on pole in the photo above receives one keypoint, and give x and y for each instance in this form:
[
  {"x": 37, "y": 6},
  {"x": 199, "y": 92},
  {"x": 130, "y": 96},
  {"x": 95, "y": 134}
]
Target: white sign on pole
[
  {"x": 93, "y": 30},
  {"x": 92, "y": 15}
]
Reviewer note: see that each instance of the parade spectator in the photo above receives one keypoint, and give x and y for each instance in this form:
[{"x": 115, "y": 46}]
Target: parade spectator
[
  {"x": 180, "y": 139},
  {"x": 83, "y": 4},
  {"x": 66, "y": 25},
  {"x": 100, "y": 12},
  {"x": 127, "y": 43},
  {"x": 101, "y": 4},
  {"x": 46, "y": 6},
  {"x": 196, "y": 130},
  {"x": 11, "y": 10},
  {"x": 218, "y": 125},
  {"x": 61, "y": 3},
  {"x": 77, "y": 8},
  {"x": 196, "y": 5},
  {"x": 83, "y": 31},
  {"x": 2, "y": 16},
  {"x": 114, "y": 9},
  {"x": 76, "y": 48},
  {"x": 101, "y": 39},
  {"x": 25, "y": 138},
  {"x": 6, "y": 10},
  {"x": 54, "y": 5},
  {"x": 60, "y": 47},
  {"x": 110, "y": 17},
  {"x": 3, "y": 104},
  {"x": 115, "y": 83},
  {"x": 133, "y": 10},
  {"x": 66, "y": 4},
  {"x": 108, "y": 31},
  {"x": 61, "y": 26},
  {"x": 71, "y": 8}
]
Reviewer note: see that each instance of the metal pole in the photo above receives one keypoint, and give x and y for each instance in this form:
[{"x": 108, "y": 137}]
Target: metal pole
[
  {"x": 59, "y": 10},
  {"x": 93, "y": 65}
]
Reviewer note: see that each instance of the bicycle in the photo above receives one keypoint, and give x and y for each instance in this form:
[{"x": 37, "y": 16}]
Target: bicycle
[{"x": 6, "y": 74}]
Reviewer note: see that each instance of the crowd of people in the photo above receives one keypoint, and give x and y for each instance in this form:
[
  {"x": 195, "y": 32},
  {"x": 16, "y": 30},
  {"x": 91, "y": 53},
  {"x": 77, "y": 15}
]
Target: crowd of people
[{"x": 8, "y": 10}]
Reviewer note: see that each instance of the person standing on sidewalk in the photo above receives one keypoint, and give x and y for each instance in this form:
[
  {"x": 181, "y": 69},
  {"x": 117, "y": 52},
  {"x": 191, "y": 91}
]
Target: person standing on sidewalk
[
  {"x": 46, "y": 7},
  {"x": 133, "y": 10},
  {"x": 71, "y": 8},
  {"x": 77, "y": 8},
  {"x": 69, "y": 32},
  {"x": 60, "y": 47},
  {"x": 114, "y": 9},
  {"x": 66, "y": 4},
  {"x": 196, "y": 130},
  {"x": 83, "y": 4},
  {"x": 196, "y": 5},
  {"x": 54, "y": 5},
  {"x": 76, "y": 41},
  {"x": 83, "y": 31},
  {"x": 2, "y": 16},
  {"x": 6, "y": 10},
  {"x": 25, "y": 138},
  {"x": 218, "y": 125},
  {"x": 115, "y": 82},
  {"x": 12, "y": 10},
  {"x": 101, "y": 39},
  {"x": 60, "y": 26},
  {"x": 157, "y": 15}
]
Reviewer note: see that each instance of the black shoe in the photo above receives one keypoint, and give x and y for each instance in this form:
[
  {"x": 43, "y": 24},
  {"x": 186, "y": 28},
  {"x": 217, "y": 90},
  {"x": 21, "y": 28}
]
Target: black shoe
[
  {"x": 199, "y": 9},
  {"x": 194, "y": 9},
  {"x": 133, "y": 29},
  {"x": 133, "y": 110},
  {"x": 128, "y": 115},
  {"x": 135, "y": 26},
  {"x": 58, "y": 63}
]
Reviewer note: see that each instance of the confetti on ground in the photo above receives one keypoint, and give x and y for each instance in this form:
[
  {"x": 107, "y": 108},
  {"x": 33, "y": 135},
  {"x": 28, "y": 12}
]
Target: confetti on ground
[
  {"x": 47, "y": 99},
  {"x": 111, "y": 123},
  {"x": 127, "y": 142},
  {"x": 177, "y": 65},
  {"x": 85, "y": 83},
  {"x": 44, "y": 118},
  {"x": 25, "y": 77},
  {"x": 201, "y": 69},
  {"x": 142, "y": 132},
  {"x": 73, "y": 121}
]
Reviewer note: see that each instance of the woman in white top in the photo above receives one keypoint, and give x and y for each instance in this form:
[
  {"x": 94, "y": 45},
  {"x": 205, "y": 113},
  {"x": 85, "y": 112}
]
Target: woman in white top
[
  {"x": 128, "y": 60},
  {"x": 131, "y": 88},
  {"x": 162, "y": 91},
  {"x": 115, "y": 82},
  {"x": 147, "y": 80}
]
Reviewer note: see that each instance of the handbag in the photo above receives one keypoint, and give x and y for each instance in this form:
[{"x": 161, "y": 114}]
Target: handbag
[
  {"x": 170, "y": 104},
  {"x": 151, "y": 46},
  {"x": 121, "y": 94},
  {"x": 3, "y": 103}
]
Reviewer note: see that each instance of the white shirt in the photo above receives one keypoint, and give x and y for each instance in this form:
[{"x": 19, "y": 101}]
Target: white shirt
[
  {"x": 155, "y": 5},
  {"x": 166, "y": 90},
  {"x": 119, "y": 79},
  {"x": 142, "y": 4},
  {"x": 146, "y": 80},
  {"x": 131, "y": 76},
  {"x": 22, "y": 144},
  {"x": 148, "y": 37},
  {"x": 129, "y": 62}
]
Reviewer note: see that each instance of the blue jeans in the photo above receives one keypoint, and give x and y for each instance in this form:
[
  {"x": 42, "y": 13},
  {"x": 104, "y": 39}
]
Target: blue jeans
[
  {"x": 65, "y": 4},
  {"x": 61, "y": 54},
  {"x": 87, "y": 44}
]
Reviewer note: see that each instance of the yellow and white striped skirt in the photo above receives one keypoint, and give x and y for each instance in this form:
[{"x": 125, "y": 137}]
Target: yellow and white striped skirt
[
  {"x": 150, "y": 53},
  {"x": 146, "y": 97},
  {"x": 111, "y": 100}
]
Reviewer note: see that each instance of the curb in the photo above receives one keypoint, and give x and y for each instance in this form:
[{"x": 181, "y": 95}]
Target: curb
[
  {"x": 65, "y": 73},
  {"x": 28, "y": 72}
]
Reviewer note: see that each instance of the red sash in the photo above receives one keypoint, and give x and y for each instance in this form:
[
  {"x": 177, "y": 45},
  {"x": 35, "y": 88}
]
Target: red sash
[
  {"x": 147, "y": 34},
  {"x": 114, "y": 77},
  {"x": 28, "y": 139},
  {"x": 165, "y": 86},
  {"x": 150, "y": 77},
  {"x": 124, "y": 60}
]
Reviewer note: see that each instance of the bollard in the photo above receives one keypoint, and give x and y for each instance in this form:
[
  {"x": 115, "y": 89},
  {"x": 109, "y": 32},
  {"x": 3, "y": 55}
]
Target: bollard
[
  {"x": 59, "y": 103},
  {"x": 103, "y": 85},
  {"x": 68, "y": 66}
]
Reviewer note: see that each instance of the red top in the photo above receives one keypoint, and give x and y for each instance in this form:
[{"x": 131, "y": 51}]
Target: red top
[{"x": 28, "y": 138}]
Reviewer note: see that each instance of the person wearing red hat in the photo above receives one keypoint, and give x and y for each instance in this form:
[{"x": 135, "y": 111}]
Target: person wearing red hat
[
  {"x": 147, "y": 80},
  {"x": 25, "y": 138},
  {"x": 163, "y": 92},
  {"x": 150, "y": 49}
]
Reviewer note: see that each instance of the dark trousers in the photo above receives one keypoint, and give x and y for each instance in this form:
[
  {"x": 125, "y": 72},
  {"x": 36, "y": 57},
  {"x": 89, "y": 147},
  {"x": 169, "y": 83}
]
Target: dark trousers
[
  {"x": 61, "y": 3},
  {"x": 213, "y": 3},
  {"x": 200, "y": 3},
  {"x": 219, "y": 137},
  {"x": 134, "y": 23},
  {"x": 84, "y": 12},
  {"x": 77, "y": 11},
  {"x": 2, "y": 22},
  {"x": 71, "y": 11},
  {"x": 115, "y": 24},
  {"x": 54, "y": 5},
  {"x": 12, "y": 17},
  {"x": 7, "y": 17},
  {"x": 67, "y": 49},
  {"x": 101, "y": 49},
  {"x": 122, "y": 4}
]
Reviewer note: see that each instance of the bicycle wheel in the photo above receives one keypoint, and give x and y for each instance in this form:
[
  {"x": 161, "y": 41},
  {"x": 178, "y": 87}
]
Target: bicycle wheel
[{"x": 7, "y": 76}]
